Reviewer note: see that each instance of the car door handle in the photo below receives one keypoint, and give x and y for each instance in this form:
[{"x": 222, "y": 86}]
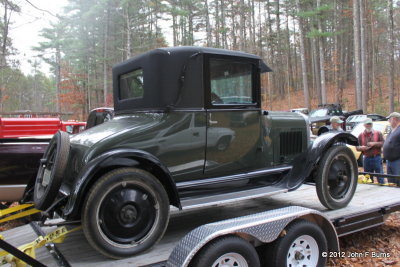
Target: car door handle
[{"x": 196, "y": 133}]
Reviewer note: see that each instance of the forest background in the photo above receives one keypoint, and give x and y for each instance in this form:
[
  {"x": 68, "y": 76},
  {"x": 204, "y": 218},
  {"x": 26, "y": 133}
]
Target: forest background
[{"x": 321, "y": 51}]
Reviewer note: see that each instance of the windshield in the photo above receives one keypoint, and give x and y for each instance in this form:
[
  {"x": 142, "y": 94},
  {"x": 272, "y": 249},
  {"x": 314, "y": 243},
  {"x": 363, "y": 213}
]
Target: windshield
[{"x": 319, "y": 113}]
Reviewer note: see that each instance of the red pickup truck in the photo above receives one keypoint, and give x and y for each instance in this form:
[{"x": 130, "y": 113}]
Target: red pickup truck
[
  {"x": 23, "y": 141},
  {"x": 29, "y": 127}
]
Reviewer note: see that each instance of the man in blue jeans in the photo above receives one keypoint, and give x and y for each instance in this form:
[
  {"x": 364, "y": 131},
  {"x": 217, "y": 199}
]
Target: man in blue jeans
[
  {"x": 371, "y": 142},
  {"x": 391, "y": 148}
]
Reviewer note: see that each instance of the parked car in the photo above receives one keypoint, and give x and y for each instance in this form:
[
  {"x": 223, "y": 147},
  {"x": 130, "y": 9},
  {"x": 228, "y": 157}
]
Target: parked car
[
  {"x": 320, "y": 118},
  {"x": 112, "y": 179},
  {"x": 353, "y": 120},
  {"x": 381, "y": 126}
]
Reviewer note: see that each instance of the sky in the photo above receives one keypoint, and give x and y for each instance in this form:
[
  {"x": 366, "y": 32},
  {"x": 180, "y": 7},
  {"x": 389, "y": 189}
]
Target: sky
[{"x": 26, "y": 26}]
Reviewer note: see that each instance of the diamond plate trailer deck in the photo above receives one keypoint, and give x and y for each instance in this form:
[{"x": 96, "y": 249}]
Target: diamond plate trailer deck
[{"x": 368, "y": 209}]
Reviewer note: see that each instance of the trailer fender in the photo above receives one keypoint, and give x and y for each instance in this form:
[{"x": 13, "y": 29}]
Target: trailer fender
[
  {"x": 114, "y": 159},
  {"x": 259, "y": 228}
]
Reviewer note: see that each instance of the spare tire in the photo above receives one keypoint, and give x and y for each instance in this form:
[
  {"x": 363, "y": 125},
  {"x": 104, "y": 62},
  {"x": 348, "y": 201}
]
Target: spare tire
[{"x": 51, "y": 171}]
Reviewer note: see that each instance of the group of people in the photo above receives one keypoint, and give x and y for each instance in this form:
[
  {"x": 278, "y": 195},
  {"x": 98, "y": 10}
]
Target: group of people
[{"x": 371, "y": 143}]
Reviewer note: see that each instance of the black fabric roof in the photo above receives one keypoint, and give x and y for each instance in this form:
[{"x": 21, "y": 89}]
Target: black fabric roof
[{"x": 173, "y": 77}]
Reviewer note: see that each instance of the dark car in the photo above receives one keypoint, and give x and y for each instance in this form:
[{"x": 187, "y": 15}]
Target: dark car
[
  {"x": 320, "y": 118},
  {"x": 188, "y": 131}
]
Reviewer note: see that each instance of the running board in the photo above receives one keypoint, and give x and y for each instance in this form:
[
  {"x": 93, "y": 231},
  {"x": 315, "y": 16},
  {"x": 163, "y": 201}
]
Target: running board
[{"x": 231, "y": 197}]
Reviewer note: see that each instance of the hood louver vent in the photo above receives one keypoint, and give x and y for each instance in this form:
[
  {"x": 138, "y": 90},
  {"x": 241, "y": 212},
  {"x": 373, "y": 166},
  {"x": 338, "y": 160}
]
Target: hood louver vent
[{"x": 290, "y": 143}]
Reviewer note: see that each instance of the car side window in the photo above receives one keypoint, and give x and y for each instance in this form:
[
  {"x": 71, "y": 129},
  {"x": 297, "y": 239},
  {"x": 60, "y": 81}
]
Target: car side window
[
  {"x": 231, "y": 82},
  {"x": 131, "y": 85}
]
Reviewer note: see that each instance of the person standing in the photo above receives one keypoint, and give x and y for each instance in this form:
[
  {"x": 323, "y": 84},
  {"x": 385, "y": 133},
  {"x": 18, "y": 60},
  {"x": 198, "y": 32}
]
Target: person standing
[
  {"x": 391, "y": 147},
  {"x": 336, "y": 123},
  {"x": 371, "y": 142}
]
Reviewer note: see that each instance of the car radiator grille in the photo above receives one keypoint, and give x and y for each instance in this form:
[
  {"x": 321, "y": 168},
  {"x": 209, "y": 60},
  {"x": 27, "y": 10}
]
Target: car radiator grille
[{"x": 290, "y": 143}]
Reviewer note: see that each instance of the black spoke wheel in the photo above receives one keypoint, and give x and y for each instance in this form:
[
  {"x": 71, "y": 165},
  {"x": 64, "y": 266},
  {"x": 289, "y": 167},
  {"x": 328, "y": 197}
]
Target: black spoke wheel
[
  {"x": 337, "y": 177},
  {"x": 125, "y": 213},
  {"x": 51, "y": 171},
  {"x": 301, "y": 245},
  {"x": 227, "y": 251}
]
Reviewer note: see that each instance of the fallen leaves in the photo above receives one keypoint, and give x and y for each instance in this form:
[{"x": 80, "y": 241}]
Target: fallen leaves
[{"x": 378, "y": 246}]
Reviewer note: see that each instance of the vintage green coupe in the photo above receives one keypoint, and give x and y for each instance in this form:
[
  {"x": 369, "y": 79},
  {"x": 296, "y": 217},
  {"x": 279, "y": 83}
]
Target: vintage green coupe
[{"x": 188, "y": 131}]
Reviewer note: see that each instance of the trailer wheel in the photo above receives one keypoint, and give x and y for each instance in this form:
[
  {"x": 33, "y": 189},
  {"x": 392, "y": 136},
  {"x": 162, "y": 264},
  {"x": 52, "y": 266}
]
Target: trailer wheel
[
  {"x": 126, "y": 212},
  {"x": 337, "y": 177},
  {"x": 227, "y": 251},
  {"x": 51, "y": 171},
  {"x": 302, "y": 245}
]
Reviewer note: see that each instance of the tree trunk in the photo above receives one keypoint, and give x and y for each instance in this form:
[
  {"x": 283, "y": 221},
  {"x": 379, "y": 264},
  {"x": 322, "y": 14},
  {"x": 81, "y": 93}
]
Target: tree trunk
[
  {"x": 390, "y": 50},
  {"x": 357, "y": 55},
  {"x": 303, "y": 60},
  {"x": 364, "y": 60},
  {"x": 321, "y": 59}
]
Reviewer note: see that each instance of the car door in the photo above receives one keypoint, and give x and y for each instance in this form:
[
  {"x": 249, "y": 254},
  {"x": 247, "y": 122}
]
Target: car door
[{"x": 233, "y": 115}]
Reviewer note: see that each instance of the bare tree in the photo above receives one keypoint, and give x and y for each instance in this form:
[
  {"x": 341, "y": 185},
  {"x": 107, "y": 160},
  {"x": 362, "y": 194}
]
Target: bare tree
[
  {"x": 390, "y": 49},
  {"x": 357, "y": 52}
]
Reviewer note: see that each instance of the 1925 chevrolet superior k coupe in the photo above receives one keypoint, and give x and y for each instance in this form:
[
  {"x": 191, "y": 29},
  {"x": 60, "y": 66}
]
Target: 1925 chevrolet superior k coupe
[{"x": 188, "y": 130}]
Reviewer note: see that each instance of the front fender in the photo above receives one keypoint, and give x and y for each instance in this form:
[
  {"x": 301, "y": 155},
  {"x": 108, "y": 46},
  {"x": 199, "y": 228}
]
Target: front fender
[
  {"x": 109, "y": 160},
  {"x": 305, "y": 163},
  {"x": 323, "y": 142}
]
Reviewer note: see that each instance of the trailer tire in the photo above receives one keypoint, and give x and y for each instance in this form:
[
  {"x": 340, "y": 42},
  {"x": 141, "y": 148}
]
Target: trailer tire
[
  {"x": 51, "y": 171},
  {"x": 337, "y": 177},
  {"x": 126, "y": 212},
  {"x": 227, "y": 251},
  {"x": 302, "y": 244}
]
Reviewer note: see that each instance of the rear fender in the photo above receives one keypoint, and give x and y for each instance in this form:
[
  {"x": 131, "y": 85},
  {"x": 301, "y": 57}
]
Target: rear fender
[{"x": 115, "y": 159}]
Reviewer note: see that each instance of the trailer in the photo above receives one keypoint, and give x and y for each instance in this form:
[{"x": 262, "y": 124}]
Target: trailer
[{"x": 256, "y": 221}]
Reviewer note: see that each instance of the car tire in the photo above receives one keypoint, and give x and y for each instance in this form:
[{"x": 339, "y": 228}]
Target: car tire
[
  {"x": 337, "y": 177},
  {"x": 126, "y": 212},
  {"x": 227, "y": 251},
  {"x": 223, "y": 143},
  {"x": 302, "y": 244},
  {"x": 51, "y": 171}
]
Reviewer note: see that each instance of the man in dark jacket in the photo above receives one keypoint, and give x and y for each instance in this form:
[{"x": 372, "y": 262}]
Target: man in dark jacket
[{"x": 391, "y": 147}]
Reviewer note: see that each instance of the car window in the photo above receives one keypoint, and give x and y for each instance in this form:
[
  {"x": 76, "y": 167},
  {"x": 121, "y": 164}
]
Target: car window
[
  {"x": 131, "y": 85},
  {"x": 319, "y": 113},
  {"x": 231, "y": 82}
]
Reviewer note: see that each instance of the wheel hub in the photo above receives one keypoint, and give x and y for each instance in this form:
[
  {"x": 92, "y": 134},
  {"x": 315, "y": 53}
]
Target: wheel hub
[
  {"x": 230, "y": 260},
  {"x": 304, "y": 251},
  {"x": 338, "y": 178},
  {"x": 299, "y": 255},
  {"x": 128, "y": 214}
]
